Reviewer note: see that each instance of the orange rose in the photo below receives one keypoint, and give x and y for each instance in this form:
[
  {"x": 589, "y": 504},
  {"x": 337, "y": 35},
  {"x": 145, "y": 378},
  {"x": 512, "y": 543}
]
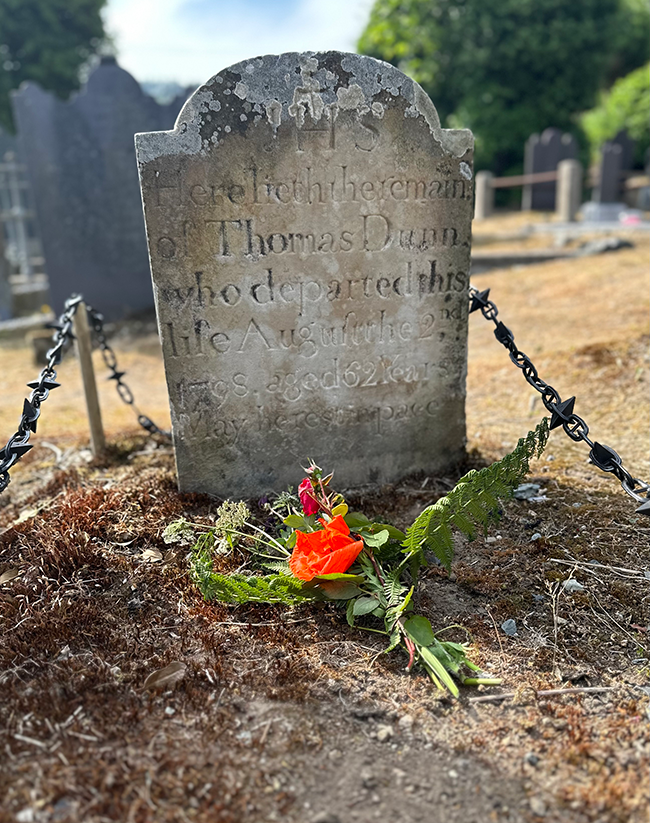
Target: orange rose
[{"x": 324, "y": 552}]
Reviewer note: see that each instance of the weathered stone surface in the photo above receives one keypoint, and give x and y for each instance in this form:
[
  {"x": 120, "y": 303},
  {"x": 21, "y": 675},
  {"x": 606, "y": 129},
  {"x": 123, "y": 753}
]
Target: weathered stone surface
[
  {"x": 81, "y": 163},
  {"x": 309, "y": 234}
]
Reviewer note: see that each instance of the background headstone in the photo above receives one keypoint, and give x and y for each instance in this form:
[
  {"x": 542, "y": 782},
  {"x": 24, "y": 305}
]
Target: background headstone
[
  {"x": 309, "y": 231},
  {"x": 608, "y": 189},
  {"x": 616, "y": 158},
  {"x": 543, "y": 153},
  {"x": 81, "y": 162}
]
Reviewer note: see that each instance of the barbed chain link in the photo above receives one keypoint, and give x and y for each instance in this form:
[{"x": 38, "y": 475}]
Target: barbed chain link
[
  {"x": 18, "y": 444},
  {"x": 562, "y": 414}
]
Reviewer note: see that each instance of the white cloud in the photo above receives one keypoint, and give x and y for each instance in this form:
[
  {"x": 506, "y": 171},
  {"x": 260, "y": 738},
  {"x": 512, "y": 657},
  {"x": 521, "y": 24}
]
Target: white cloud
[{"x": 156, "y": 41}]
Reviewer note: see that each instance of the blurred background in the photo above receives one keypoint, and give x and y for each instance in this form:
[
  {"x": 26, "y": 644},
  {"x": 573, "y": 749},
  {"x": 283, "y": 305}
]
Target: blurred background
[{"x": 539, "y": 82}]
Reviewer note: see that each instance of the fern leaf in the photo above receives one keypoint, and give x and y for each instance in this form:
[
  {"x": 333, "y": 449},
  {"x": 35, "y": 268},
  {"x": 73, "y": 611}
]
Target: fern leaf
[{"x": 474, "y": 501}]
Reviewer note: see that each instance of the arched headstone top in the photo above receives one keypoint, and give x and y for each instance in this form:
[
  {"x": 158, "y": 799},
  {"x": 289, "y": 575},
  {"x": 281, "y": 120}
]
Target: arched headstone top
[
  {"x": 287, "y": 87},
  {"x": 110, "y": 78},
  {"x": 309, "y": 233}
]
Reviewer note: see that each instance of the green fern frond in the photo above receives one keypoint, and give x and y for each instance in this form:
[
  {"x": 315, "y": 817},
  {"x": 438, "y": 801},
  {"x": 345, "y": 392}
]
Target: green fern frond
[
  {"x": 474, "y": 501},
  {"x": 277, "y": 566},
  {"x": 242, "y": 588},
  {"x": 393, "y": 588}
]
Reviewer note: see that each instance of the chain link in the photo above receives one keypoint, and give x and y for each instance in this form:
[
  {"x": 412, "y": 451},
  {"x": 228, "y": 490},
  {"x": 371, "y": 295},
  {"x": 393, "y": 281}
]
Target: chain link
[
  {"x": 18, "y": 444},
  {"x": 562, "y": 414}
]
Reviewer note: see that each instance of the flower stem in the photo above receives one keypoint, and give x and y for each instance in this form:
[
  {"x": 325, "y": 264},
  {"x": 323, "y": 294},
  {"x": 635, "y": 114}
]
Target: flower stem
[{"x": 482, "y": 681}]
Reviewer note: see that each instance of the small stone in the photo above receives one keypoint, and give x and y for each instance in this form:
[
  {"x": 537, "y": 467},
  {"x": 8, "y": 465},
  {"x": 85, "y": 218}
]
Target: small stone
[
  {"x": 526, "y": 490},
  {"x": 326, "y": 817},
  {"x": 572, "y": 585},
  {"x": 509, "y": 627},
  {"x": 368, "y": 779},
  {"x": 537, "y": 806},
  {"x": 406, "y": 723},
  {"x": 536, "y": 536},
  {"x": 531, "y": 758},
  {"x": 453, "y": 774},
  {"x": 169, "y": 711},
  {"x": 335, "y": 754},
  {"x": 490, "y": 539},
  {"x": 384, "y": 733}
]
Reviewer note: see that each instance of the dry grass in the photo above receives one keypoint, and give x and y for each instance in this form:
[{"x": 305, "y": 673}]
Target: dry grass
[{"x": 278, "y": 712}]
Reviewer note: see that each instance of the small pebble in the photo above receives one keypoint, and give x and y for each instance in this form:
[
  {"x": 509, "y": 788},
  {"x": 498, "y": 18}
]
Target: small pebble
[
  {"x": 572, "y": 585},
  {"x": 531, "y": 758},
  {"x": 384, "y": 733},
  {"x": 537, "y": 806},
  {"x": 536, "y": 536},
  {"x": 326, "y": 817},
  {"x": 406, "y": 723},
  {"x": 490, "y": 539},
  {"x": 509, "y": 627}
]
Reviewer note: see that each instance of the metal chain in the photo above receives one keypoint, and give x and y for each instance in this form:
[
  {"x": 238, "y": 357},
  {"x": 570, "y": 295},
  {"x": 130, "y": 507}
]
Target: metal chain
[
  {"x": 562, "y": 414},
  {"x": 18, "y": 444},
  {"x": 109, "y": 358}
]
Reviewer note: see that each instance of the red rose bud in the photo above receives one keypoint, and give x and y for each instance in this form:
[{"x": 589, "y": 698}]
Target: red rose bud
[{"x": 307, "y": 499}]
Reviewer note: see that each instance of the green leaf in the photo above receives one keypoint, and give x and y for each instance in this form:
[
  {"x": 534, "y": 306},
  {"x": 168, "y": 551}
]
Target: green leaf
[
  {"x": 419, "y": 630},
  {"x": 393, "y": 533},
  {"x": 436, "y": 668},
  {"x": 334, "y": 586},
  {"x": 375, "y": 540},
  {"x": 393, "y": 640},
  {"x": 365, "y": 605},
  {"x": 356, "y": 520},
  {"x": 349, "y": 612},
  {"x": 295, "y": 521}
]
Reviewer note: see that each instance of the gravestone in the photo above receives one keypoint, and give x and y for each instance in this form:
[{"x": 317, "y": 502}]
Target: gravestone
[
  {"x": 81, "y": 163},
  {"x": 616, "y": 158},
  {"x": 543, "y": 153},
  {"x": 309, "y": 232}
]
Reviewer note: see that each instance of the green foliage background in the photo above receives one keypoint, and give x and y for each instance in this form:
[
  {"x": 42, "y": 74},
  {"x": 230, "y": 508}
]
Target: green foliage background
[
  {"x": 625, "y": 106},
  {"x": 46, "y": 41},
  {"x": 509, "y": 68}
]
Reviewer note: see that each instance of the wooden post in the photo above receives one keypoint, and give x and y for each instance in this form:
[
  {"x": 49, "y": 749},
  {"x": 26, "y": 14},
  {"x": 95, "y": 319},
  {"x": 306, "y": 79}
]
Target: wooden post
[
  {"x": 484, "y": 204},
  {"x": 84, "y": 352}
]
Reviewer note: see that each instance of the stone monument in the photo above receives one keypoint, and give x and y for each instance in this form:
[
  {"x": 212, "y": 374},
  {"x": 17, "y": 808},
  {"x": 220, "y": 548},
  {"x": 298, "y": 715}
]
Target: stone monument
[
  {"x": 309, "y": 230},
  {"x": 543, "y": 152},
  {"x": 81, "y": 164}
]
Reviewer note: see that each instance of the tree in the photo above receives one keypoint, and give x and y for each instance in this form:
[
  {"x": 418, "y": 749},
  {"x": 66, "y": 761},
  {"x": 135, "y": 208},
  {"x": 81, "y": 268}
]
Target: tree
[
  {"x": 624, "y": 106},
  {"x": 47, "y": 41},
  {"x": 505, "y": 68}
]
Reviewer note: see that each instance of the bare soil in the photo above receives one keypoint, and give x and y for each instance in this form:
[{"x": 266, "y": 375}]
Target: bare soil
[{"x": 289, "y": 715}]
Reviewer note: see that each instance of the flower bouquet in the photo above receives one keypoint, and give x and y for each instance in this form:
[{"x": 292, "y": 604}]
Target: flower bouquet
[{"x": 317, "y": 549}]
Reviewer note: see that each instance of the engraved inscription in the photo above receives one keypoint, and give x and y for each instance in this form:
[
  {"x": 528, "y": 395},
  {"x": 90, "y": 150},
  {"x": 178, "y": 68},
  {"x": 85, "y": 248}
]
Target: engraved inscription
[{"x": 309, "y": 236}]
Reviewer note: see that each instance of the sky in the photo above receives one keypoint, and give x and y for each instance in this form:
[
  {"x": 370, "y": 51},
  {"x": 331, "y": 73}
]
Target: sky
[{"x": 188, "y": 41}]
